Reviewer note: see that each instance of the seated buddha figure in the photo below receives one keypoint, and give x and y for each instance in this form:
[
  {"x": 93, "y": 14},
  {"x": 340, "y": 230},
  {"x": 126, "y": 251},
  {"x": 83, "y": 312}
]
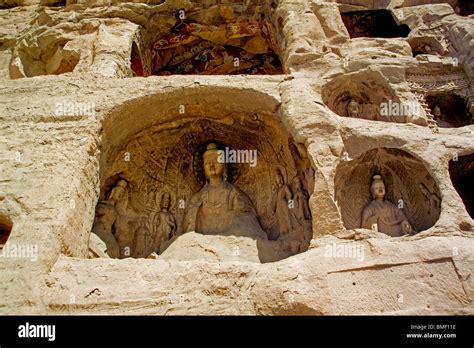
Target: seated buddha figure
[
  {"x": 383, "y": 214},
  {"x": 219, "y": 208}
]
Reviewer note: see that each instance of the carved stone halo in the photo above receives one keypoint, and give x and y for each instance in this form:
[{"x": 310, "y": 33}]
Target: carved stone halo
[
  {"x": 282, "y": 171},
  {"x": 159, "y": 199}
]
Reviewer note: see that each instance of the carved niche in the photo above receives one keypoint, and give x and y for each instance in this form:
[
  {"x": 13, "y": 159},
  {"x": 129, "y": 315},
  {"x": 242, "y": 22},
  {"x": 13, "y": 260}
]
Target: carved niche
[
  {"x": 461, "y": 171},
  {"x": 367, "y": 95},
  {"x": 373, "y": 23},
  {"x": 171, "y": 179},
  {"x": 387, "y": 190},
  {"x": 6, "y": 226},
  {"x": 449, "y": 110}
]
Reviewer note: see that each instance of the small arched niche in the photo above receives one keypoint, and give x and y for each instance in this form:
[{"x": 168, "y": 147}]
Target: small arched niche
[
  {"x": 411, "y": 191},
  {"x": 6, "y": 226},
  {"x": 461, "y": 171},
  {"x": 426, "y": 45},
  {"x": 367, "y": 95},
  {"x": 464, "y": 7},
  {"x": 449, "y": 110},
  {"x": 373, "y": 23},
  {"x": 151, "y": 178}
]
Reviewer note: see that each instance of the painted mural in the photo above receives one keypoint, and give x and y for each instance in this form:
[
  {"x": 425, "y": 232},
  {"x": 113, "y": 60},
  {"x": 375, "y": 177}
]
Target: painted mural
[{"x": 232, "y": 48}]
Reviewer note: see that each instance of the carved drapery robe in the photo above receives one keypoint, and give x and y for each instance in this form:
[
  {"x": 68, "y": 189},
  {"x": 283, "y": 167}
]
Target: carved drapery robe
[
  {"x": 223, "y": 210},
  {"x": 386, "y": 215}
]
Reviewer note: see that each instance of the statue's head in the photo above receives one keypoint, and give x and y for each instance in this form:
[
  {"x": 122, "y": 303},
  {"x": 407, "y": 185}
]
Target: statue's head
[
  {"x": 378, "y": 187},
  {"x": 118, "y": 191},
  {"x": 297, "y": 183},
  {"x": 437, "y": 111},
  {"x": 166, "y": 201},
  {"x": 213, "y": 166},
  {"x": 279, "y": 178},
  {"x": 353, "y": 108}
]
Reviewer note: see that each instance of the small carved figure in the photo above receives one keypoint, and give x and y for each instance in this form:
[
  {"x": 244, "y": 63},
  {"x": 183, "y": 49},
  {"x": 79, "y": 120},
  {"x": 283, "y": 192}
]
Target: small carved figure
[
  {"x": 353, "y": 108},
  {"x": 281, "y": 206},
  {"x": 439, "y": 117},
  {"x": 309, "y": 179},
  {"x": 382, "y": 214},
  {"x": 106, "y": 216},
  {"x": 434, "y": 206},
  {"x": 301, "y": 208},
  {"x": 157, "y": 228}
]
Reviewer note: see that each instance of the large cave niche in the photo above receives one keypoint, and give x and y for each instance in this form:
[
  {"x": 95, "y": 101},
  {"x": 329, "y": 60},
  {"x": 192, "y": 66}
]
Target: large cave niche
[
  {"x": 374, "y": 24},
  {"x": 461, "y": 171},
  {"x": 161, "y": 168},
  {"x": 449, "y": 110},
  {"x": 409, "y": 187},
  {"x": 216, "y": 39}
]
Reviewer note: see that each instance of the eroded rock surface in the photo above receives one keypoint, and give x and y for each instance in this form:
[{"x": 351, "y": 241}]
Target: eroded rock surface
[{"x": 108, "y": 110}]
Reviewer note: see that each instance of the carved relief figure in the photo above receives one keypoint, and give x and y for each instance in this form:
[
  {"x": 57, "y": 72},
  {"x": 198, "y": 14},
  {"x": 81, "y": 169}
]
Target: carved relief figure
[
  {"x": 157, "y": 228},
  {"x": 106, "y": 216},
  {"x": 301, "y": 217},
  {"x": 353, "y": 108},
  {"x": 309, "y": 179},
  {"x": 385, "y": 215},
  {"x": 434, "y": 206},
  {"x": 439, "y": 118},
  {"x": 219, "y": 207},
  {"x": 302, "y": 213},
  {"x": 281, "y": 206}
]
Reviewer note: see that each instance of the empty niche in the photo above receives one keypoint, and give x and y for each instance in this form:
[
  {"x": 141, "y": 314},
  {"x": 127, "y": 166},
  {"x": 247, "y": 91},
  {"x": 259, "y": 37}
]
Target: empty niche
[
  {"x": 411, "y": 202},
  {"x": 464, "y": 7},
  {"x": 162, "y": 190},
  {"x": 373, "y": 23},
  {"x": 136, "y": 61},
  {"x": 6, "y": 226},
  {"x": 364, "y": 95},
  {"x": 449, "y": 110},
  {"x": 217, "y": 40},
  {"x": 461, "y": 171}
]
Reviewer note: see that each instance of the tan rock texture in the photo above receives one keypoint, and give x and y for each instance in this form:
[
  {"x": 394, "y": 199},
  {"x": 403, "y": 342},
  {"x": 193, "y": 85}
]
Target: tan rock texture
[{"x": 72, "y": 103}]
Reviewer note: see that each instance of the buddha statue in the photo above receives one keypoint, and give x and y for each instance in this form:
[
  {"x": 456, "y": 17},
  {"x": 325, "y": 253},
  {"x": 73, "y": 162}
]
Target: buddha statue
[
  {"x": 353, "y": 108},
  {"x": 439, "y": 117},
  {"x": 385, "y": 215},
  {"x": 219, "y": 208}
]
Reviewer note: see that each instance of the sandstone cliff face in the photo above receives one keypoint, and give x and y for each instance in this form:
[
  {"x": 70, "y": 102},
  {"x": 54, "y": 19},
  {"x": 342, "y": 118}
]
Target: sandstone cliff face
[{"x": 73, "y": 100}]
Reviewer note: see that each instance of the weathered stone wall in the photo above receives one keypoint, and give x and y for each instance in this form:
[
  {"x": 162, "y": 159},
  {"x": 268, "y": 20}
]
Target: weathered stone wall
[{"x": 52, "y": 163}]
